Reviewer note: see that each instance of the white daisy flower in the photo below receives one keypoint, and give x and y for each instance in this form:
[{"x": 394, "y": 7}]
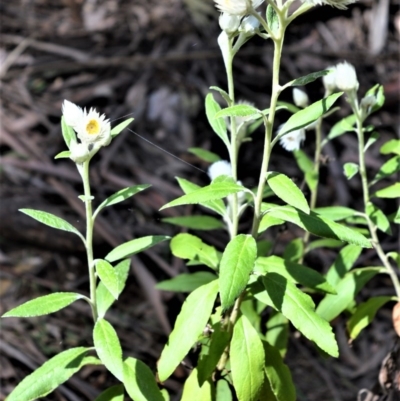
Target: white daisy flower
[
  {"x": 221, "y": 167},
  {"x": 293, "y": 140},
  {"x": 91, "y": 127},
  {"x": 346, "y": 77},
  {"x": 300, "y": 98},
  {"x": 341, "y": 4},
  {"x": 237, "y": 7}
]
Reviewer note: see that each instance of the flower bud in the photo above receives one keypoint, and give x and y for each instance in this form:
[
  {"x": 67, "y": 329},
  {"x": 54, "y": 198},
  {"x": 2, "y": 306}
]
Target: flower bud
[
  {"x": 300, "y": 98},
  {"x": 221, "y": 167},
  {"x": 250, "y": 25},
  {"x": 367, "y": 103},
  {"x": 293, "y": 140},
  {"x": 229, "y": 23},
  {"x": 346, "y": 77},
  {"x": 329, "y": 80}
]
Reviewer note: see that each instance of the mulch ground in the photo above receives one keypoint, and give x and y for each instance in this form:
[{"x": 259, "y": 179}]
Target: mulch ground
[{"x": 155, "y": 61}]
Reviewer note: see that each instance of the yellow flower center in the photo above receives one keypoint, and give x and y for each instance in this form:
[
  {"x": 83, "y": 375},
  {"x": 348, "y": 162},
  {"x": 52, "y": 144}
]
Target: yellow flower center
[{"x": 93, "y": 127}]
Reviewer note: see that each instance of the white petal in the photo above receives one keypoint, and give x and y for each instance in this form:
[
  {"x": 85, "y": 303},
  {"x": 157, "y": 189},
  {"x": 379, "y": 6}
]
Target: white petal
[
  {"x": 72, "y": 113},
  {"x": 221, "y": 167}
]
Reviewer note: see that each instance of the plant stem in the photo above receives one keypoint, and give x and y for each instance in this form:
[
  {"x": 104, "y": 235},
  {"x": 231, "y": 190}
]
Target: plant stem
[
  {"x": 366, "y": 196},
  {"x": 89, "y": 237}
]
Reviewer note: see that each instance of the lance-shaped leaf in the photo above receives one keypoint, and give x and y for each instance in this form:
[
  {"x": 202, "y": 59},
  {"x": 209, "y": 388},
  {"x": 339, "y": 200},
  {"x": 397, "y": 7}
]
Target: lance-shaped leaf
[
  {"x": 104, "y": 297},
  {"x": 108, "y": 276},
  {"x": 278, "y": 374},
  {"x": 216, "y": 190},
  {"x": 294, "y": 272},
  {"x": 320, "y": 226},
  {"x": 108, "y": 347},
  {"x": 189, "y": 324},
  {"x": 392, "y": 191},
  {"x": 193, "y": 390},
  {"x": 205, "y": 155},
  {"x": 188, "y": 246},
  {"x": 196, "y": 222},
  {"x": 50, "y": 375},
  {"x": 239, "y": 110},
  {"x": 247, "y": 360},
  {"x": 65, "y": 154},
  {"x": 44, "y": 305},
  {"x": 340, "y": 128},
  {"x": 332, "y": 305},
  {"x": 308, "y": 115},
  {"x": 378, "y": 218},
  {"x": 298, "y": 307},
  {"x": 186, "y": 282},
  {"x": 306, "y": 79},
  {"x": 52, "y": 221},
  {"x": 139, "y": 381},
  {"x": 392, "y": 146},
  {"x": 336, "y": 213},
  {"x": 236, "y": 265},
  {"x": 285, "y": 189},
  {"x": 390, "y": 167},
  {"x": 278, "y": 332},
  {"x": 114, "y": 393},
  {"x": 217, "y": 124},
  {"x": 365, "y": 313},
  {"x": 120, "y": 196},
  {"x": 135, "y": 246},
  {"x": 188, "y": 187},
  {"x": 120, "y": 127}
]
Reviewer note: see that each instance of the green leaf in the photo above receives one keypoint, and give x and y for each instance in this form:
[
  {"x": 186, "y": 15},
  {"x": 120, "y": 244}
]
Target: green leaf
[
  {"x": 108, "y": 276},
  {"x": 193, "y": 391},
  {"x": 392, "y": 146},
  {"x": 294, "y": 250},
  {"x": 114, "y": 393},
  {"x": 196, "y": 222},
  {"x": 365, "y": 314},
  {"x": 278, "y": 332},
  {"x": 268, "y": 221},
  {"x": 298, "y": 307},
  {"x": 135, "y": 246},
  {"x": 392, "y": 191},
  {"x": 211, "y": 353},
  {"x": 103, "y": 297},
  {"x": 272, "y": 19},
  {"x": 285, "y": 189},
  {"x": 223, "y": 391},
  {"x": 348, "y": 287},
  {"x": 108, "y": 347},
  {"x": 308, "y": 115},
  {"x": 120, "y": 196},
  {"x": 319, "y": 225},
  {"x": 238, "y": 110},
  {"x": 278, "y": 374},
  {"x": 377, "y": 91},
  {"x": 223, "y": 93},
  {"x": 187, "y": 246},
  {"x": 63, "y": 155},
  {"x": 236, "y": 265},
  {"x": 378, "y": 218},
  {"x": 335, "y": 213},
  {"x": 371, "y": 140},
  {"x": 139, "y": 381},
  {"x": 308, "y": 78},
  {"x": 216, "y": 190},
  {"x": 294, "y": 272},
  {"x": 343, "y": 263},
  {"x": 120, "y": 127},
  {"x": 205, "y": 155},
  {"x": 247, "y": 360},
  {"x": 215, "y": 205},
  {"x": 67, "y": 132},
  {"x": 186, "y": 282},
  {"x": 52, "y": 221},
  {"x": 217, "y": 124},
  {"x": 350, "y": 170},
  {"x": 323, "y": 243},
  {"x": 44, "y": 305},
  {"x": 50, "y": 375},
  {"x": 341, "y": 127},
  {"x": 303, "y": 161},
  {"x": 189, "y": 324},
  {"x": 390, "y": 167}
]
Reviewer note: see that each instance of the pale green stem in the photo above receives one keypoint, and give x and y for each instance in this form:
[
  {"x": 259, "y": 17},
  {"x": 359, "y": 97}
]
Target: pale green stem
[
  {"x": 89, "y": 237},
  {"x": 366, "y": 196},
  {"x": 269, "y": 124},
  {"x": 317, "y": 162}
]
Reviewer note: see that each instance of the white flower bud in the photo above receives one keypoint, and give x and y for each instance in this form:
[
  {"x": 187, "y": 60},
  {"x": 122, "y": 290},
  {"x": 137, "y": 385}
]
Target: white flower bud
[
  {"x": 221, "y": 167},
  {"x": 293, "y": 140},
  {"x": 237, "y": 7},
  {"x": 300, "y": 98},
  {"x": 250, "y": 25},
  {"x": 329, "y": 80},
  {"x": 79, "y": 152},
  {"x": 346, "y": 77},
  {"x": 367, "y": 103},
  {"x": 229, "y": 23}
]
